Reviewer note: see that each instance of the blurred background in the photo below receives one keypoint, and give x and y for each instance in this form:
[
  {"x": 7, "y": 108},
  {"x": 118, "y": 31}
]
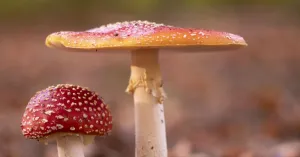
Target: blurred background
[{"x": 242, "y": 103}]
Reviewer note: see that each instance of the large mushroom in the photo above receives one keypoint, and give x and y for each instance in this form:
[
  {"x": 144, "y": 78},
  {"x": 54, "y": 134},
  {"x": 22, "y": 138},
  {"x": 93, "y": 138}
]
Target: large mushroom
[
  {"x": 144, "y": 39},
  {"x": 71, "y": 115}
]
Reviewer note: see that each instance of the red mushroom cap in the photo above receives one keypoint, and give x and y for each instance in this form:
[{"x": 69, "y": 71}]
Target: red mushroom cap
[
  {"x": 143, "y": 34},
  {"x": 66, "y": 108}
]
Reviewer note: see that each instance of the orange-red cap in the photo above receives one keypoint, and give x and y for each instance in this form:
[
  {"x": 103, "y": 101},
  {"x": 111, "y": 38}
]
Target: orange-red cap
[{"x": 143, "y": 34}]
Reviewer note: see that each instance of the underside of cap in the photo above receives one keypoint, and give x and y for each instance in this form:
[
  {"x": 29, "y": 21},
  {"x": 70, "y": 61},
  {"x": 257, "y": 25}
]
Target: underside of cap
[
  {"x": 142, "y": 35},
  {"x": 86, "y": 139}
]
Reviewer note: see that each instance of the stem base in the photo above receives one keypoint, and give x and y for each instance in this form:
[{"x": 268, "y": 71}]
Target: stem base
[{"x": 150, "y": 126}]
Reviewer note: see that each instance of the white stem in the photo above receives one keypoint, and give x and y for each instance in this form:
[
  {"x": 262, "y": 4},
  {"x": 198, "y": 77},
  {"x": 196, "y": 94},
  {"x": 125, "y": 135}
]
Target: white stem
[
  {"x": 150, "y": 130},
  {"x": 146, "y": 86},
  {"x": 70, "y": 146}
]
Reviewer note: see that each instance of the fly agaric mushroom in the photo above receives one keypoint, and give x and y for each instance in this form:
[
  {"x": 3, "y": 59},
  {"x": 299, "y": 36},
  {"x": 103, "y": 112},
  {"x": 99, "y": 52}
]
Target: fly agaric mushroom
[
  {"x": 144, "y": 39},
  {"x": 71, "y": 115}
]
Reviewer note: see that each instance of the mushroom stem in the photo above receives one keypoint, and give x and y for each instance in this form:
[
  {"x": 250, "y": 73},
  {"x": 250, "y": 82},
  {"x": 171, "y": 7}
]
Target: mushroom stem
[
  {"x": 146, "y": 86},
  {"x": 70, "y": 146}
]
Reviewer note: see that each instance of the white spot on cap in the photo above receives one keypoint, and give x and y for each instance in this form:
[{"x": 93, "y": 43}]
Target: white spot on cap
[
  {"x": 59, "y": 126},
  {"x": 60, "y": 104},
  {"x": 44, "y": 120},
  {"x": 50, "y": 105},
  {"x": 85, "y": 115},
  {"x": 68, "y": 110},
  {"x": 49, "y": 112},
  {"x": 54, "y": 100},
  {"x": 72, "y": 128},
  {"x": 59, "y": 117}
]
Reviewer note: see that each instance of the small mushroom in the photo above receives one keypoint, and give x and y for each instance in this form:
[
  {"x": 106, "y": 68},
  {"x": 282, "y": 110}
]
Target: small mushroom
[
  {"x": 144, "y": 39},
  {"x": 71, "y": 115}
]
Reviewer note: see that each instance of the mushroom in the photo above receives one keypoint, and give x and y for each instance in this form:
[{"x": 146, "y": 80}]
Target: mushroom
[
  {"x": 144, "y": 39},
  {"x": 70, "y": 114}
]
